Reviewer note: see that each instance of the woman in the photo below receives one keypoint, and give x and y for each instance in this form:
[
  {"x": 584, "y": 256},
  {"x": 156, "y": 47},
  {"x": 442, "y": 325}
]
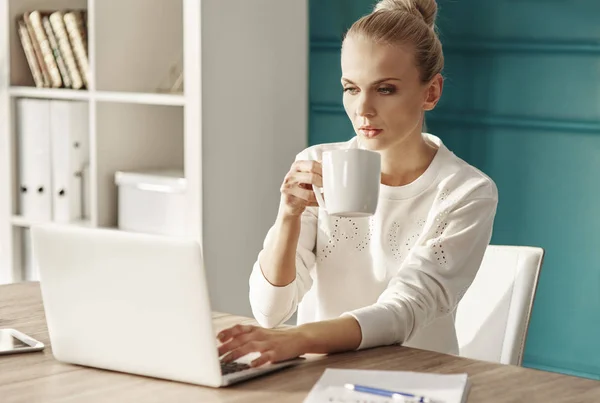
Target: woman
[{"x": 395, "y": 277}]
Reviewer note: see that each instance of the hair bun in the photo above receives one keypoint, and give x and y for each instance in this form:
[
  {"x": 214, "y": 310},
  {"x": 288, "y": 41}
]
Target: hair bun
[{"x": 425, "y": 9}]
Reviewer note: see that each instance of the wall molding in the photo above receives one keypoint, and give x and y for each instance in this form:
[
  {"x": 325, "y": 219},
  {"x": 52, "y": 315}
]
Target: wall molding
[
  {"x": 520, "y": 45},
  {"x": 325, "y": 44},
  {"x": 479, "y": 119},
  {"x": 468, "y": 118},
  {"x": 327, "y": 108},
  {"x": 482, "y": 45}
]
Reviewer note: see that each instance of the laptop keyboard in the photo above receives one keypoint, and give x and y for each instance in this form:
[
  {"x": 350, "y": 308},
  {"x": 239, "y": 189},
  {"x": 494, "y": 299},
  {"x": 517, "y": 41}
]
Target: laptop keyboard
[{"x": 231, "y": 367}]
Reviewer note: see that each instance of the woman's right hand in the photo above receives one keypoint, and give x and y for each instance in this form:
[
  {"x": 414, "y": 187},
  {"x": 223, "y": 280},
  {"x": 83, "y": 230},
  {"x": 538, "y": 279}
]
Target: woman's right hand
[{"x": 296, "y": 190}]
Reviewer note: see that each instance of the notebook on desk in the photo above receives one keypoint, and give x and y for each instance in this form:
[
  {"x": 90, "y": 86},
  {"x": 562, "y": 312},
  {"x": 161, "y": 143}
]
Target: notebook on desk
[{"x": 439, "y": 388}]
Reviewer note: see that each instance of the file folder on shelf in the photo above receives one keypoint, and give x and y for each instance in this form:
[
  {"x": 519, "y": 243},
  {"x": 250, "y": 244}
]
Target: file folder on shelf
[
  {"x": 70, "y": 155},
  {"x": 34, "y": 160}
]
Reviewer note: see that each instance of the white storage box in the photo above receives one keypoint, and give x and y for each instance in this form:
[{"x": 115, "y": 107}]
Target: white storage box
[{"x": 152, "y": 202}]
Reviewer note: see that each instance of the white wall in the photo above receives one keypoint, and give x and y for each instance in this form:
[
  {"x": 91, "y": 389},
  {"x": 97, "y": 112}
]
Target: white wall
[{"x": 254, "y": 121}]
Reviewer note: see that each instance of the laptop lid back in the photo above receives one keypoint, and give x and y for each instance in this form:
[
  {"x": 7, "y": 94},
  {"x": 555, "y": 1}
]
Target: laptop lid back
[{"x": 127, "y": 302}]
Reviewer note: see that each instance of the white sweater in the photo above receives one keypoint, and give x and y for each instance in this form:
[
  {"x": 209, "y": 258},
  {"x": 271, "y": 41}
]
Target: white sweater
[{"x": 399, "y": 273}]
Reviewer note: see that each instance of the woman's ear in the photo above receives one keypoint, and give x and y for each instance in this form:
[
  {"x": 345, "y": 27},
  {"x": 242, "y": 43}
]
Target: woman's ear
[{"x": 434, "y": 92}]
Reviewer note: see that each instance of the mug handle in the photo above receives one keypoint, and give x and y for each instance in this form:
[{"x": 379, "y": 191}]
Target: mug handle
[{"x": 319, "y": 196}]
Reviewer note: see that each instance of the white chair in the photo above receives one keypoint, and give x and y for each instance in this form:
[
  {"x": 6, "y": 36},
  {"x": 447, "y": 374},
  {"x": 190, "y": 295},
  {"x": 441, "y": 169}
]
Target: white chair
[{"x": 493, "y": 316}]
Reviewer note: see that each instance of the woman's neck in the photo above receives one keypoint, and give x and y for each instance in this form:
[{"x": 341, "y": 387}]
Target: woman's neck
[{"x": 407, "y": 161}]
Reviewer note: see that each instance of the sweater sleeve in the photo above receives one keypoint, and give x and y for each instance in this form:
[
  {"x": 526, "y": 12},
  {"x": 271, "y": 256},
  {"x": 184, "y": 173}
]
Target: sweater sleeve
[
  {"x": 434, "y": 276},
  {"x": 273, "y": 305}
]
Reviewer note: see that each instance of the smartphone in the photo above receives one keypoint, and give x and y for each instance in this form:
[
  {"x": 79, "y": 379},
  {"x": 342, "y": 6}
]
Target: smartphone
[{"x": 12, "y": 342}]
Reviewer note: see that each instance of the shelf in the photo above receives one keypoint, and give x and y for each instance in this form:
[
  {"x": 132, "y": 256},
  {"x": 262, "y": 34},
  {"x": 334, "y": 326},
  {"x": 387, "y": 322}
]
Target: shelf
[
  {"x": 48, "y": 93},
  {"x": 104, "y": 96},
  {"x": 140, "y": 98},
  {"x": 23, "y": 222}
]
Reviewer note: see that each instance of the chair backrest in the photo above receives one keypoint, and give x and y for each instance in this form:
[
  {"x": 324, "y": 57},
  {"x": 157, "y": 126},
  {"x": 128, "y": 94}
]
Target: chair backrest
[{"x": 493, "y": 316}]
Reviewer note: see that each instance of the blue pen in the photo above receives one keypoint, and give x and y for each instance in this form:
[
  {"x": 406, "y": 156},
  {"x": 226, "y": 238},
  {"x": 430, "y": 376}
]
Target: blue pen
[{"x": 387, "y": 393}]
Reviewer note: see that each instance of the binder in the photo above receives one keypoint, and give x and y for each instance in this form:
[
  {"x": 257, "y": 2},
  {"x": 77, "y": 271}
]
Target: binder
[
  {"x": 33, "y": 144},
  {"x": 69, "y": 122}
]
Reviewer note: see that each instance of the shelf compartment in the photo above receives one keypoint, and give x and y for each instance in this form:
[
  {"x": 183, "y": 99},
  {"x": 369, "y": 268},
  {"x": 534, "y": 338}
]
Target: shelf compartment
[
  {"x": 131, "y": 54},
  {"x": 155, "y": 132},
  {"x": 20, "y": 73}
]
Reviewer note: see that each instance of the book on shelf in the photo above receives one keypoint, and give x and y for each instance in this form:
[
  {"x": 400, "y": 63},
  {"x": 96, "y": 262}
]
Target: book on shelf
[
  {"x": 48, "y": 60},
  {"x": 64, "y": 45},
  {"x": 30, "y": 54},
  {"x": 55, "y": 47},
  {"x": 60, "y": 61},
  {"x": 74, "y": 23},
  {"x": 37, "y": 51}
]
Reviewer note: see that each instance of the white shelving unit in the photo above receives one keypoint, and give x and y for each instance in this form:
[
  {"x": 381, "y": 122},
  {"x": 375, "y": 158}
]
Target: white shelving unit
[{"x": 234, "y": 131}]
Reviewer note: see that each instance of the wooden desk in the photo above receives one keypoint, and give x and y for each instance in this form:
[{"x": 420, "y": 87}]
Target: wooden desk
[{"x": 37, "y": 377}]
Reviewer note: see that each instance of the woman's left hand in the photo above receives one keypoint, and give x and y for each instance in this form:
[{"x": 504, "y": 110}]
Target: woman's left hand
[{"x": 273, "y": 344}]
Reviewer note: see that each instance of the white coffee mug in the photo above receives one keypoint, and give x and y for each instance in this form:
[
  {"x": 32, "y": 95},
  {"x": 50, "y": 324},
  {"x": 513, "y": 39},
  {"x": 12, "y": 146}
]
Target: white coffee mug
[{"x": 350, "y": 182}]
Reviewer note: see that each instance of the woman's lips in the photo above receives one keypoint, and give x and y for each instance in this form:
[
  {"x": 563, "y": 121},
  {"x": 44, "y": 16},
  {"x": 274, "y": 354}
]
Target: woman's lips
[{"x": 369, "y": 132}]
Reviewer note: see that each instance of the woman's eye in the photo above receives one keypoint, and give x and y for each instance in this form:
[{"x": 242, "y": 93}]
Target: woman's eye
[
  {"x": 386, "y": 90},
  {"x": 351, "y": 90}
]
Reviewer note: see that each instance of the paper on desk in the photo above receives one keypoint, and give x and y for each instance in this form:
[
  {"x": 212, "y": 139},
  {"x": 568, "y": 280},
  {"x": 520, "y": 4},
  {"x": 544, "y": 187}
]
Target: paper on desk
[{"x": 442, "y": 388}]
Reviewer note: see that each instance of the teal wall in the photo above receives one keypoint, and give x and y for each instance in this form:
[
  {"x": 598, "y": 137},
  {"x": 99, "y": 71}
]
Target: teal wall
[{"x": 522, "y": 103}]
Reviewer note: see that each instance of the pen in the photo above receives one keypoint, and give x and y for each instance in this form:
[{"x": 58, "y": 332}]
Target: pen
[{"x": 386, "y": 393}]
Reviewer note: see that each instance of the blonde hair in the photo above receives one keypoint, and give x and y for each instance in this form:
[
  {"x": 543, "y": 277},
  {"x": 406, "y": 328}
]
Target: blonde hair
[{"x": 409, "y": 22}]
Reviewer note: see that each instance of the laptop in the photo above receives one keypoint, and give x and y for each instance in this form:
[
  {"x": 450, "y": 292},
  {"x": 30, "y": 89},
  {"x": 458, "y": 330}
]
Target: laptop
[{"x": 134, "y": 303}]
